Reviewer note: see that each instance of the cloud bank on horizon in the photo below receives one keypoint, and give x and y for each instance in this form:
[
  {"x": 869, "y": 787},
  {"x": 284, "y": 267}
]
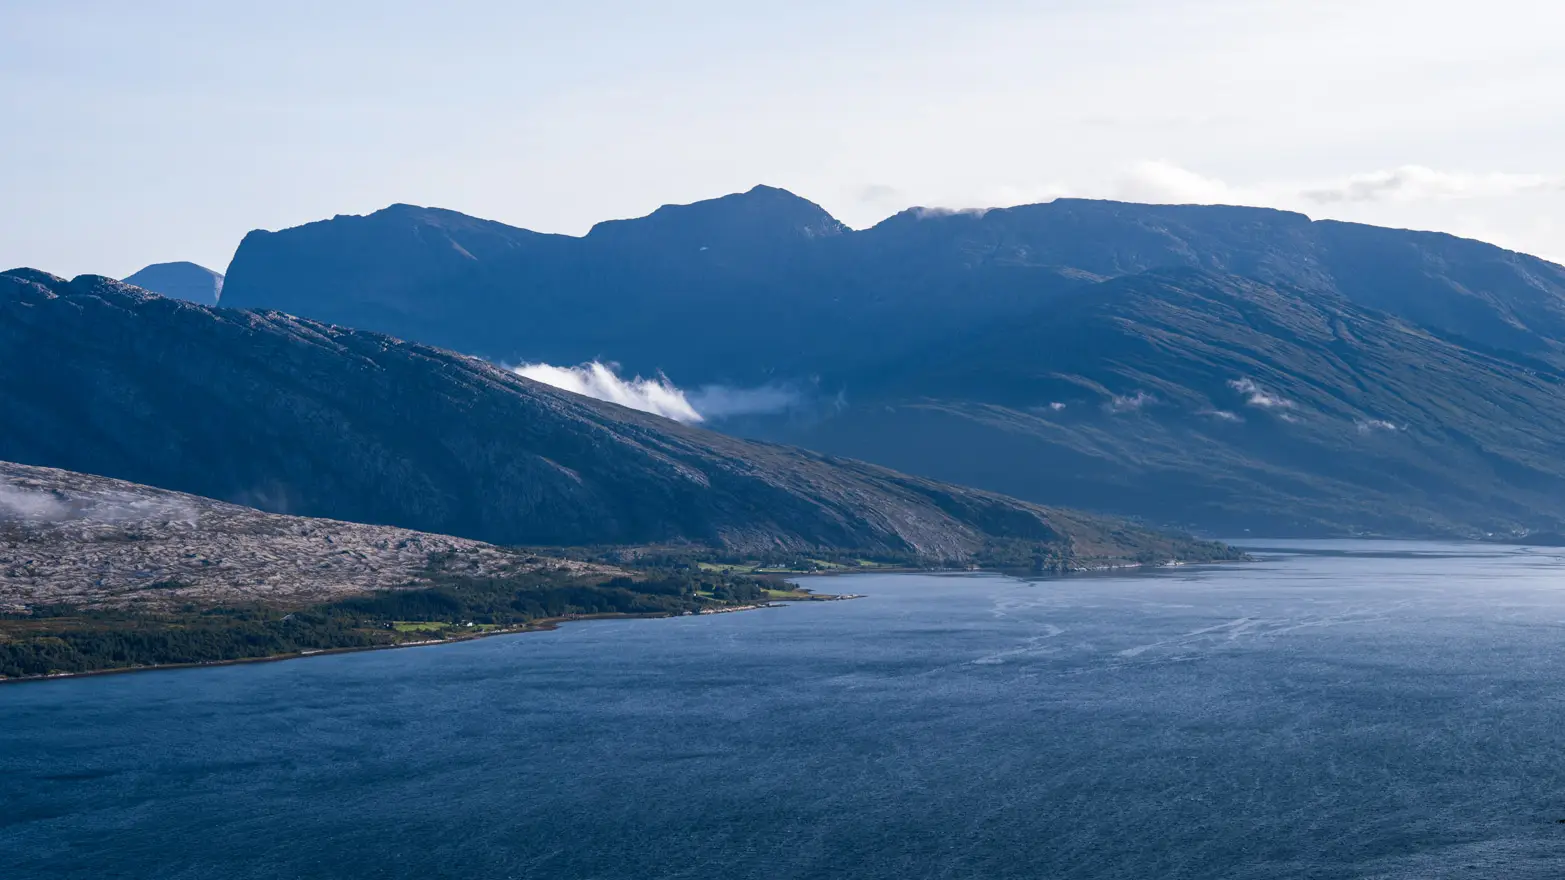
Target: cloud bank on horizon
[
  {"x": 1165, "y": 181},
  {"x": 658, "y": 395}
]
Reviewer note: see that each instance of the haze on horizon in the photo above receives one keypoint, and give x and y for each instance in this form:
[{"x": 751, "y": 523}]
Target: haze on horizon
[{"x": 166, "y": 131}]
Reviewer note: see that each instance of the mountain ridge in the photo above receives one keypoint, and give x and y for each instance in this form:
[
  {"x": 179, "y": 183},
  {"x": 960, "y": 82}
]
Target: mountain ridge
[
  {"x": 629, "y": 289},
  {"x": 839, "y": 314},
  {"x": 295, "y": 416}
]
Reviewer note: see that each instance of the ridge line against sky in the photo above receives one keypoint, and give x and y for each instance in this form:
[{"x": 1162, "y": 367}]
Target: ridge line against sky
[{"x": 172, "y": 127}]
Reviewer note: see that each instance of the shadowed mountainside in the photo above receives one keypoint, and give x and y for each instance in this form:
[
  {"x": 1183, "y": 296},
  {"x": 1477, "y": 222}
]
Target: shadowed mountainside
[
  {"x": 764, "y": 284},
  {"x": 294, "y": 416},
  {"x": 1421, "y": 369},
  {"x": 1191, "y": 397}
]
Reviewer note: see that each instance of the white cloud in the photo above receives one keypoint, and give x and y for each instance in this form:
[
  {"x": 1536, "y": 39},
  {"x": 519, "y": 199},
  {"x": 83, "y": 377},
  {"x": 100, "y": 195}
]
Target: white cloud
[
  {"x": 882, "y": 196},
  {"x": 30, "y": 505},
  {"x": 1221, "y": 415},
  {"x": 720, "y": 401},
  {"x": 1129, "y": 403},
  {"x": 1166, "y": 182},
  {"x": 660, "y": 396},
  {"x": 922, "y": 212},
  {"x": 25, "y": 504},
  {"x": 1255, "y": 396},
  {"x": 1416, "y": 183},
  {"x": 1161, "y": 182},
  {"x": 599, "y": 381},
  {"x": 1369, "y": 426}
]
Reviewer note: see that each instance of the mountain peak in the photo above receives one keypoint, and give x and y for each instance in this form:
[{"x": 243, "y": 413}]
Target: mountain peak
[
  {"x": 435, "y": 216},
  {"x": 35, "y": 276},
  {"x": 763, "y": 189},
  {"x": 742, "y": 219},
  {"x": 180, "y": 280}
]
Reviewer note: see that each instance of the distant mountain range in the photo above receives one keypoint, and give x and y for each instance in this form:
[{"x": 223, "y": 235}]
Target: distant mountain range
[
  {"x": 1219, "y": 367},
  {"x": 765, "y": 283},
  {"x": 186, "y": 281},
  {"x": 292, "y": 416}
]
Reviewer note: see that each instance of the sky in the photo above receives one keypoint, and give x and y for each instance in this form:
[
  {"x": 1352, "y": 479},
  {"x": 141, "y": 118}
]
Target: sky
[{"x": 159, "y": 130}]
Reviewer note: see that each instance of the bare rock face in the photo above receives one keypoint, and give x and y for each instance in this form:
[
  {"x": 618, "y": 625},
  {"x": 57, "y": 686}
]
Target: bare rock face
[
  {"x": 92, "y": 542},
  {"x": 292, "y": 416}
]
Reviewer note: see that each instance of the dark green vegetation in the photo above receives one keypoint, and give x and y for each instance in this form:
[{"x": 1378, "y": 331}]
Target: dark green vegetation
[
  {"x": 1016, "y": 556},
  {"x": 293, "y": 416},
  {"x": 1215, "y": 367},
  {"x": 448, "y": 603},
  {"x": 66, "y": 639}
]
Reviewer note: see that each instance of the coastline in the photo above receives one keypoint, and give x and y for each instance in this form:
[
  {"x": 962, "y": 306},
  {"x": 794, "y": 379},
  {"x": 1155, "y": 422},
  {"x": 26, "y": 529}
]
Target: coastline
[
  {"x": 546, "y": 624},
  {"x": 553, "y": 623}
]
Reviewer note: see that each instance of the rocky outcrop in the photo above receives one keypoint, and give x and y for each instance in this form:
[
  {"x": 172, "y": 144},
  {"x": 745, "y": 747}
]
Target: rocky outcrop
[{"x": 69, "y": 539}]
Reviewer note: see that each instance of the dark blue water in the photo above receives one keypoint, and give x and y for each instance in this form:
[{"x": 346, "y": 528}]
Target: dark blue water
[{"x": 1395, "y": 716}]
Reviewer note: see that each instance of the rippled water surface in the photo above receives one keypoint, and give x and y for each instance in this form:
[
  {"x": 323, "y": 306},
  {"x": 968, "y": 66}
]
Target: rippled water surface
[{"x": 1373, "y": 710}]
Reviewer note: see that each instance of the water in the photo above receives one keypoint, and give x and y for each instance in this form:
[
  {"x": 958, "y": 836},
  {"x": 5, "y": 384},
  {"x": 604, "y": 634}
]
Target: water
[{"x": 1390, "y": 711}]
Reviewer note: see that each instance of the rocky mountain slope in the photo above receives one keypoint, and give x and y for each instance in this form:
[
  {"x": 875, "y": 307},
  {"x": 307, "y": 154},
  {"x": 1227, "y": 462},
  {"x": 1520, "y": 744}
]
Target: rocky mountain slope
[
  {"x": 92, "y": 542},
  {"x": 1219, "y": 401},
  {"x": 293, "y": 416},
  {"x": 186, "y": 281}
]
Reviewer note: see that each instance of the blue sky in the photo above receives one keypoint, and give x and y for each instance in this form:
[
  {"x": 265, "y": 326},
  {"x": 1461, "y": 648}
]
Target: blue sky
[{"x": 158, "y": 130}]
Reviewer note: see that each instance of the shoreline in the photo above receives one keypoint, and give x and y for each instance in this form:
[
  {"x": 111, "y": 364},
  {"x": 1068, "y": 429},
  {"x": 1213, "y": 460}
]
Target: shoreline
[
  {"x": 546, "y": 624},
  {"x": 554, "y": 623},
  {"x": 1100, "y": 568}
]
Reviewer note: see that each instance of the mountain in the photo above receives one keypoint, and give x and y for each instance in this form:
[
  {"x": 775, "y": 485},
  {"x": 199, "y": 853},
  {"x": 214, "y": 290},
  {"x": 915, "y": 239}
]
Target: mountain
[
  {"x": 186, "y": 281},
  {"x": 373, "y": 271},
  {"x": 749, "y": 287},
  {"x": 1459, "y": 287},
  {"x": 1213, "y": 400},
  {"x": 766, "y": 285},
  {"x": 1422, "y": 369},
  {"x": 294, "y": 416},
  {"x": 485, "y": 288}
]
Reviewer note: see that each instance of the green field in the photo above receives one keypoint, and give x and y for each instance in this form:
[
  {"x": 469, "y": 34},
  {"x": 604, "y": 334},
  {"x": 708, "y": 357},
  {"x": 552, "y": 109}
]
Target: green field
[
  {"x": 803, "y": 566},
  {"x": 413, "y": 626}
]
